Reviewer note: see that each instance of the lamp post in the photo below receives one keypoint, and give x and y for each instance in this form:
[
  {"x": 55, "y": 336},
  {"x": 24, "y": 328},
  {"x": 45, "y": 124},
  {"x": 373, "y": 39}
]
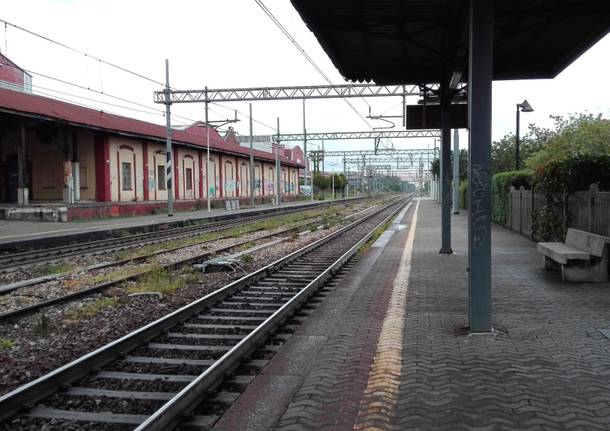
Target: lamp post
[{"x": 521, "y": 107}]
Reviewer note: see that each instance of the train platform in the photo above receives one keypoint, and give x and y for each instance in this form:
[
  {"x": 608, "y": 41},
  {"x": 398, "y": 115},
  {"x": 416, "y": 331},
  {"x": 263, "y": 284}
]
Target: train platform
[
  {"x": 12, "y": 231},
  {"x": 388, "y": 347}
]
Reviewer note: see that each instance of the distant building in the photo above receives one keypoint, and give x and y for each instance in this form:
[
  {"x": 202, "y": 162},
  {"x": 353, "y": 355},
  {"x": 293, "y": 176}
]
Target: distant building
[
  {"x": 14, "y": 77},
  {"x": 53, "y": 151}
]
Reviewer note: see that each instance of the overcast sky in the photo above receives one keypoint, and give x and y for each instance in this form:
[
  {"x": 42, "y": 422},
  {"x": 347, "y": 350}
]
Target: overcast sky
[{"x": 233, "y": 43}]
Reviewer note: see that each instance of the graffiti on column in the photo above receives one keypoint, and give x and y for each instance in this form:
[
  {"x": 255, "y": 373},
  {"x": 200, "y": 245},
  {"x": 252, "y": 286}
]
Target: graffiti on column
[{"x": 479, "y": 203}]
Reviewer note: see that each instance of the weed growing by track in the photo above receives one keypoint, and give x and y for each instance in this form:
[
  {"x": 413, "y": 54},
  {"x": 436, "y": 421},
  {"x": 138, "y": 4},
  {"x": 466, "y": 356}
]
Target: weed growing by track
[
  {"x": 376, "y": 234},
  {"x": 41, "y": 325},
  {"x": 235, "y": 232},
  {"x": 50, "y": 269},
  {"x": 5, "y": 344},
  {"x": 92, "y": 308},
  {"x": 160, "y": 280}
]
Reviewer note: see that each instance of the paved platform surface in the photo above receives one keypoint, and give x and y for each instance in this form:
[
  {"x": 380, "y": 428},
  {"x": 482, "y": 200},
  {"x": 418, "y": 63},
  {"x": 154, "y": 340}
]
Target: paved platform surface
[
  {"x": 16, "y": 230},
  {"x": 387, "y": 349}
]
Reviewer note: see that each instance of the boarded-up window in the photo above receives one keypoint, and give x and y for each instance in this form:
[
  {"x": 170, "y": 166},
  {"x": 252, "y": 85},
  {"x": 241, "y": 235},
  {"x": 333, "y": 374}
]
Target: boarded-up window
[
  {"x": 161, "y": 184},
  {"x": 126, "y": 175},
  {"x": 82, "y": 177},
  {"x": 189, "y": 178}
]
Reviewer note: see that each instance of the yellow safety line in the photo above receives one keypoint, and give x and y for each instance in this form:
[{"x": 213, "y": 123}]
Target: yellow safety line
[{"x": 378, "y": 406}]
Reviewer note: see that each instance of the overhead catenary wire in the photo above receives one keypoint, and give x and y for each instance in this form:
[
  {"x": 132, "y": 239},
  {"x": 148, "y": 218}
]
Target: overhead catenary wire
[
  {"x": 307, "y": 56},
  {"x": 82, "y": 87},
  {"x": 78, "y": 51}
]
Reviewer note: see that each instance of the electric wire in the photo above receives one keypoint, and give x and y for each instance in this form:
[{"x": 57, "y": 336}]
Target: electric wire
[
  {"x": 307, "y": 57},
  {"x": 82, "y": 87},
  {"x": 78, "y": 51}
]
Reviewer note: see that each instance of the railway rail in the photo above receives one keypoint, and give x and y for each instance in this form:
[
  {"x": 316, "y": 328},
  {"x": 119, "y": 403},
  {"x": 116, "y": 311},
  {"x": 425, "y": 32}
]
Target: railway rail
[
  {"x": 14, "y": 261},
  {"x": 151, "y": 377}
]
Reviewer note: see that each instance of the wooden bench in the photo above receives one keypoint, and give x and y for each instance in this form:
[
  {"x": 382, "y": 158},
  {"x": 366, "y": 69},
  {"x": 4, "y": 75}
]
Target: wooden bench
[{"x": 582, "y": 258}]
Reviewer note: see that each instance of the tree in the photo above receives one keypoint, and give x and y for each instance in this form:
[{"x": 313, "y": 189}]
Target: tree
[
  {"x": 321, "y": 182},
  {"x": 503, "y": 156},
  {"x": 577, "y": 136},
  {"x": 435, "y": 166}
]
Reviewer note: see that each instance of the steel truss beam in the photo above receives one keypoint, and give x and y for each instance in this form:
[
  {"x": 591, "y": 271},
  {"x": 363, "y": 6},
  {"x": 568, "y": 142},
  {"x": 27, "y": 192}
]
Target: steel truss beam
[
  {"x": 380, "y": 152},
  {"x": 385, "y": 159},
  {"x": 287, "y": 93},
  {"x": 329, "y": 136}
]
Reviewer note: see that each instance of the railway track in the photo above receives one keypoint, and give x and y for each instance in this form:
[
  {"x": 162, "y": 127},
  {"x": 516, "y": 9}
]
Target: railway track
[
  {"x": 151, "y": 377},
  {"x": 99, "y": 287},
  {"x": 14, "y": 261}
]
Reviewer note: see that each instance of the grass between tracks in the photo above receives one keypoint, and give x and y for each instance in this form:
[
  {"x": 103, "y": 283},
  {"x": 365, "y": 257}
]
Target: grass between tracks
[
  {"x": 235, "y": 232},
  {"x": 5, "y": 344},
  {"x": 160, "y": 280},
  {"x": 51, "y": 269},
  {"x": 376, "y": 234},
  {"x": 91, "y": 308}
]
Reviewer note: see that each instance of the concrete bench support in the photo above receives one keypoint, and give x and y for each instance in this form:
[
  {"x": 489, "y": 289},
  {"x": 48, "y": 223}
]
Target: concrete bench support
[
  {"x": 232, "y": 204},
  {"x": 582, "y": 258}
]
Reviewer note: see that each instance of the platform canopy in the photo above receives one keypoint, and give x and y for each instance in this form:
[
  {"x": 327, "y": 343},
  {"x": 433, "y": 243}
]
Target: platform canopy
[{"x": 415, "y": 41}]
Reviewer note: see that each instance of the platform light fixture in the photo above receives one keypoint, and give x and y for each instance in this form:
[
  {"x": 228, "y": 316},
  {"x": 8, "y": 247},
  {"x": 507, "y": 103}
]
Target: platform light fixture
[{"x": 521, "y": 107}]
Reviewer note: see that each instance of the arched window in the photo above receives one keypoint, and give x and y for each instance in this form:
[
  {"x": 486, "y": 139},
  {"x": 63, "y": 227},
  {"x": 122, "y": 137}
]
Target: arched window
[
  {"x": 229, "y": 181},
  {"x": 271, "y": 181},
  {"x": 244, "y": 176}
]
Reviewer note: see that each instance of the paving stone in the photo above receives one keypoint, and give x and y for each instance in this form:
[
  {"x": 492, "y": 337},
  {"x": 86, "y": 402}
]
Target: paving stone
[{"x": 546, "y": 366}]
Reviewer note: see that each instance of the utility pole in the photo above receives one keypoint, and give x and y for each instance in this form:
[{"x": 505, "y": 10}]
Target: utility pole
[
  {"x": 168, "y": 144},
  {"x": 252, "y": 200},
  {"x": 277, "y": 165},
  {"x": 332, "y": 180},
  {"x": 305, "y": 152},
  {"x": 363, "y": 173},
  {"x": 207, "y": 144},
  {"x": 346, "y": 189}
]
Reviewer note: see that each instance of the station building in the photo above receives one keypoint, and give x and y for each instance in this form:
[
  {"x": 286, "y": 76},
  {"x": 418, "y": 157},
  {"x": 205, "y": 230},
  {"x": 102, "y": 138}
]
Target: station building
[{"x": 100, "y": 164}]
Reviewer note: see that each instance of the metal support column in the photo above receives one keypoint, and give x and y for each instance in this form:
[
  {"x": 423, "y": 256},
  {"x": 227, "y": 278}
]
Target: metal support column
[
  {"x": 479, "y": 216},
  {"x": 346, "y": 188},
  {"x": 456, "y": 171},
  {"x": 22, "y": 190},
  {"x": 517, "y": 139},
  {"x": 362, "y": 174},
  {"x": 252, "y": 178},
  {"x": 445, "y": 167},
  {"x": 207, "y": 163},
  {"x": 278, "y": 193},
  {"x": 169, "y": 169},
  {"x": 305, "y": 153}
]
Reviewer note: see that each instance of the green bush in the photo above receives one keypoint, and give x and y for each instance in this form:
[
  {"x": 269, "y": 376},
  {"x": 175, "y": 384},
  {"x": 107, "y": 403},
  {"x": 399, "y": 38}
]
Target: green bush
[
  {"x": 463, "y": 191},
  {"x": 500, "y": 188}
]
